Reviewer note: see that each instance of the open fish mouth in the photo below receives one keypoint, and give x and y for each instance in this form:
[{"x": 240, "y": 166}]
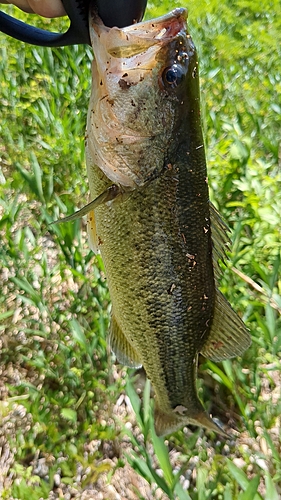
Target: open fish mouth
[
  {"x": 161, "y": 28},
  {"x": 137, "y": 38},
  {"x": 130, "y": 62},
  {"x": 160, "y": 238}
]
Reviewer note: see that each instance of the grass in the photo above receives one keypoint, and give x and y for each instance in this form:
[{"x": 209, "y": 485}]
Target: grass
[{"x": 57, "y": 373}]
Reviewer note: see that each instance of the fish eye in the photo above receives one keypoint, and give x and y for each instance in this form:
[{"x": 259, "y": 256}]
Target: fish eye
[{"x": 173, "y": 76}]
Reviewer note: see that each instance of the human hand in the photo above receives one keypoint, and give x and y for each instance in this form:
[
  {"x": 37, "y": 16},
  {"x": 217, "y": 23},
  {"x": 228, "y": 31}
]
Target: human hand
[{"x": 45, "y": 8}]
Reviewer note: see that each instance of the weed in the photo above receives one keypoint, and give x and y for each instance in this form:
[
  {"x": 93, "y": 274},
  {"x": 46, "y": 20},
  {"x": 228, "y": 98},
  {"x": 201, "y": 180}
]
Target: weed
[{"x": 54, "y": 303}]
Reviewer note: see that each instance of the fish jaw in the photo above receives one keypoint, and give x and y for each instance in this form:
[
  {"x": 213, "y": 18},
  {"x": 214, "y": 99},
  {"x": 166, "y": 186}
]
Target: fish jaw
[
  {"x": 135, "y": 47},
  {"x": 128, "y": 63},
  {"x": 134, "y": 40},
  {"x": 156, "y": 247}
]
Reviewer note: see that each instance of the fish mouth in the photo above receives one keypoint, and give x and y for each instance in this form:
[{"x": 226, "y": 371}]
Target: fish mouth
[
  {"x": 137, "y": 38},
  {"x": 161, "y": 28},
  {"x": 127, "y": 68}
]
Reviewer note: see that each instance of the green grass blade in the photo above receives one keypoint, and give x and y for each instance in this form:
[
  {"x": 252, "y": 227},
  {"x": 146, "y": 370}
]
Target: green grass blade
[
  {"x": 78, "y": 334},
  {"x": 242, "y": 479},
  {"x": 250, "y": 492},
  {"x": 180, "y": 493},
  {"x": 162, "y": 454},
  {"x": 271, "y": 491},
  {"x": 135, "y": 402}
]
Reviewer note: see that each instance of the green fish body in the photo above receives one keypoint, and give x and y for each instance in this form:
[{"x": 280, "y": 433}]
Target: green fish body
[{"x": 151, "y": 220}]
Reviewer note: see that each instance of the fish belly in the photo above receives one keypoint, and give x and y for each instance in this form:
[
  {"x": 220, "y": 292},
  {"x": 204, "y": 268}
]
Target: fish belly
[{"x": 156, "y": 249}]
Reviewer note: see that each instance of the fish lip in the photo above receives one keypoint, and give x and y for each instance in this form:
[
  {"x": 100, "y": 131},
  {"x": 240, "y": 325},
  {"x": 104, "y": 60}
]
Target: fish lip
[
  {"x": 172, "y": 22},
  {"x": 162, "y": 28},
  {"x": 128, "y": 58}
]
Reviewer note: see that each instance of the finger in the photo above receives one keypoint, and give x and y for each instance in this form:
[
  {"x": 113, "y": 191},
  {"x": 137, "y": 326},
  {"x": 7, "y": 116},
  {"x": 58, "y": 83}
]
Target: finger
[
  {"x": 21, "y": 4},
  {"x": 47, "y": 8}
]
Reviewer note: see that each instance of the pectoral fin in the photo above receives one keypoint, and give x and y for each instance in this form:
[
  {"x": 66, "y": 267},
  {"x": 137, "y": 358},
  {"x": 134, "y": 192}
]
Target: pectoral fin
[
  {"x": 122, "y": 349},
  {"x": 92, "y": 232},
  {"x": 229, "y": 336},
  {"x": 108, "y": 195}
]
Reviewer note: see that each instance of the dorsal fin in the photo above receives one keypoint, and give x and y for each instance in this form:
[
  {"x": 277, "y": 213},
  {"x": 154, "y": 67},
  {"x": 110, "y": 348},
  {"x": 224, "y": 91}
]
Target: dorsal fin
[
  {"x": 220, "y": 239},
  {"x": 228, "y": 337}
]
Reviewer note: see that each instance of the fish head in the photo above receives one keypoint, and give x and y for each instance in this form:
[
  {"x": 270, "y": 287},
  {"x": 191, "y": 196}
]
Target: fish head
[{"x": 143, "y": 79}]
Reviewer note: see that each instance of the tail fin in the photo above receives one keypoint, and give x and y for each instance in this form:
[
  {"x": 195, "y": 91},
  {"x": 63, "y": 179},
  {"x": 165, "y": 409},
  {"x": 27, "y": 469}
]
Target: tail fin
[{"x": 166, "y": 423}]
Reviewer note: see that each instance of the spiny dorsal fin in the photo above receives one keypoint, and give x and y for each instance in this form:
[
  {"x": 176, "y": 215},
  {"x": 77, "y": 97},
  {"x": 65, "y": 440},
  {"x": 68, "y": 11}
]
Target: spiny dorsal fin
[
  {"x": 122, "y": 349},
  {"x": 229, "y": 336}
]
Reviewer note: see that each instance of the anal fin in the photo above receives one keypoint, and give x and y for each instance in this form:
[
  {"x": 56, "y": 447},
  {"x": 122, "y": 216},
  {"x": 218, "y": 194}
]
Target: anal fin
[
  {"x": 229, "y": 336},
  {"x": 123, "y": 350}
]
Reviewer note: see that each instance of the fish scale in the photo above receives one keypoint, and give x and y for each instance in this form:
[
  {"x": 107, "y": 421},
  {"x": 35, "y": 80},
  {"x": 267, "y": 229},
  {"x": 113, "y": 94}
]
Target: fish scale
[
  {"x": 157, "y": 246},
  {"x": 159, "y": 237},
  {"x": 145, "y": 307}
]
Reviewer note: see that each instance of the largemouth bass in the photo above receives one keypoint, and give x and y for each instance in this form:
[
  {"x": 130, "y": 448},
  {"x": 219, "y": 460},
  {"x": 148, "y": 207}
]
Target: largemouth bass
[{"x": 151, "y": 219}]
